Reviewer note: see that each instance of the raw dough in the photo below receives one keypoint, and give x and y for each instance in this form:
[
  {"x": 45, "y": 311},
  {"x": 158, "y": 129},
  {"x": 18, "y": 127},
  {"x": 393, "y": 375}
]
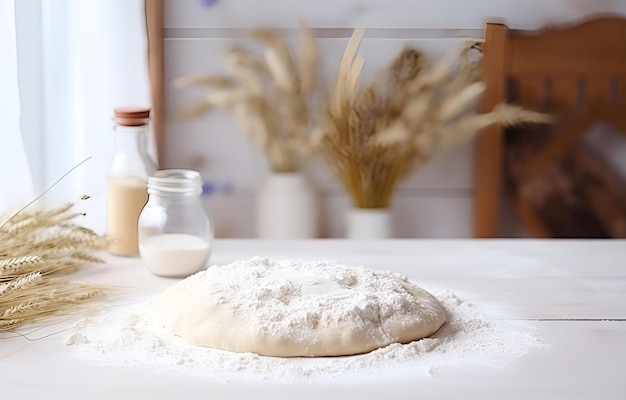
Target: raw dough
[{"x": 287, "y": 308}]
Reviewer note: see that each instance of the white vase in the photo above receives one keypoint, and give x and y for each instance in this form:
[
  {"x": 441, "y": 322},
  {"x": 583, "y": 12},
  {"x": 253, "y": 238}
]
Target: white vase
[
  {"x": 286, "y": 207},
  {"x": 369, "y": 223}
]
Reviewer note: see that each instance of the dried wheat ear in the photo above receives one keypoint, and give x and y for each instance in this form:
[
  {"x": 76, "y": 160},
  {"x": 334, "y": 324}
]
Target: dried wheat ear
[{"x": 38, "y": 249}]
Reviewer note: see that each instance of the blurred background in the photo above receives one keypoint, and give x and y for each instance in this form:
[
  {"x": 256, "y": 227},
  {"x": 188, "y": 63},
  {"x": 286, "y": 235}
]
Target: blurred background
[{"x": 67, "y": 63}]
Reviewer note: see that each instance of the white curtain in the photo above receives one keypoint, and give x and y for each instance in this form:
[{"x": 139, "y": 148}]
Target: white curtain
[
  {"x": 76, "y": 61},
  {"x": 15, "y": 181}
]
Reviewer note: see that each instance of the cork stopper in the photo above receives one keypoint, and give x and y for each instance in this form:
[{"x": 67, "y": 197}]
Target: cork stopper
[{"x": 131, "y": 116}]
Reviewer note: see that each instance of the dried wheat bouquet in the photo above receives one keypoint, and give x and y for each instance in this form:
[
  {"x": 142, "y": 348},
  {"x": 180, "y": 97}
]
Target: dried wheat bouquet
[
  {"x": 412, "y": 110},
  {"x": 273, "y": 98},
  {"x": 38, "y": 248}
]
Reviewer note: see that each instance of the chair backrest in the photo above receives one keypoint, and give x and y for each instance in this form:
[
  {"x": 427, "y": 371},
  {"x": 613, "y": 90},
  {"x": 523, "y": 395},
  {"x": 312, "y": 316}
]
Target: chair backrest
[{"x": 579, "y": 70}]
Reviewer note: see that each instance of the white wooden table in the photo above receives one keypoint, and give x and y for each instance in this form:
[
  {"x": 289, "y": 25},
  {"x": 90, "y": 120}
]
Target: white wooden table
[{"x": 574, "y": 292}]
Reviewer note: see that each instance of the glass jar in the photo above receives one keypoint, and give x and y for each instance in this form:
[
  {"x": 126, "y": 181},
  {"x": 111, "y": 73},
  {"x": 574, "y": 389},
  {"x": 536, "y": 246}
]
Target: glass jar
[
  {"x": 127, "y": 177},
  {"x": 175, "y": 233}
]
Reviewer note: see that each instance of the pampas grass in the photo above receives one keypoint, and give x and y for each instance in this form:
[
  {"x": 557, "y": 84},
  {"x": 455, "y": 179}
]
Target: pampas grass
[
  {"x": 409, "y": 113},
  {"x": 38, "y": 248},
  {"x": 272, "y": 98}
]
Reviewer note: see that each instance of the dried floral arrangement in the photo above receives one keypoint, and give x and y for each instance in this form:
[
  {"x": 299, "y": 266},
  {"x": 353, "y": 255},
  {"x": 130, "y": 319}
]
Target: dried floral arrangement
[
  {"x": 412, "y": 110},
  {"x": 273, "y": 99},
  {"x": 38, "y": 248}
]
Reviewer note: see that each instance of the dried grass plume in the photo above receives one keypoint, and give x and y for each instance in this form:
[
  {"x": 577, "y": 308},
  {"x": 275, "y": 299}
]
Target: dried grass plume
[
  {"x": 272, "y": 98},
  {"x": 371, "y": 138}
]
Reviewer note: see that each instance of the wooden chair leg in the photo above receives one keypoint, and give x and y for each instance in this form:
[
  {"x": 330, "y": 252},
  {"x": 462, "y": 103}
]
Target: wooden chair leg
[
  {"x": 488, "y": 165},
  {"x": 488, "y": 183}
]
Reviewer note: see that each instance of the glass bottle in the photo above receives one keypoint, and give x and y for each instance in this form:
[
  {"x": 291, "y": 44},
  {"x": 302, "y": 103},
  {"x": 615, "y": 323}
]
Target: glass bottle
[
  {"x": 127, "y": 178},
  {"x": 175, "y": 233}
]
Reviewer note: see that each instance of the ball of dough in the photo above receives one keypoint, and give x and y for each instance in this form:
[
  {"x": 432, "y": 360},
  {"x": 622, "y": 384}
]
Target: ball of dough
[{"x": 288, "y": 309}]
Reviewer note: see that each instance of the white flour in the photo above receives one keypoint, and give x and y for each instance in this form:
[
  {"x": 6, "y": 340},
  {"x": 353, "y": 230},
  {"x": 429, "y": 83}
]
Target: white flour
[
  {"x": 129, "y": 337},
  {"x": 293, "y": 308}
]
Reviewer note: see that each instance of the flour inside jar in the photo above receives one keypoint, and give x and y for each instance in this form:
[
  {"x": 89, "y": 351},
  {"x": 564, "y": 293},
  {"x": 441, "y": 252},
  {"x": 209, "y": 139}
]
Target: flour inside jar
[{"x": 174, "y": 254}]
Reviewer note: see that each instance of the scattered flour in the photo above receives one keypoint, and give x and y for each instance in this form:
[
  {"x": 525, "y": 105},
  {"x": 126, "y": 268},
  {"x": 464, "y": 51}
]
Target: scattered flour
[{"x": 130, "y": 336}]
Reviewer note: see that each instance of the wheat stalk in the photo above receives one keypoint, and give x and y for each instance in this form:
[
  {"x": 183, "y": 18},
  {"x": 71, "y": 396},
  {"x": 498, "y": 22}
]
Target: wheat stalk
[
  {"x": 272, "y": 99},
  {"x": 410, "y": 112},
  {"x": 36, "y": 248}
]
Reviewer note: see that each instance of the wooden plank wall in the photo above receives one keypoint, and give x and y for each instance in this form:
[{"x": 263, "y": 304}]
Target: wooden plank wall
[{"x": 434, "y": 202}]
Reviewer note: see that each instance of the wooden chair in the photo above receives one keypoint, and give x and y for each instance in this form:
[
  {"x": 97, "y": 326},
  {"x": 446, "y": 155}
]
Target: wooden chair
[{"x": 579, "y": 71}]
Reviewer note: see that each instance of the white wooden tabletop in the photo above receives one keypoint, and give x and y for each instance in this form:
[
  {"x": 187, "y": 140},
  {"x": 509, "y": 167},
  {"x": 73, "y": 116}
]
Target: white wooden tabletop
[{"x": 572, "y": 293}]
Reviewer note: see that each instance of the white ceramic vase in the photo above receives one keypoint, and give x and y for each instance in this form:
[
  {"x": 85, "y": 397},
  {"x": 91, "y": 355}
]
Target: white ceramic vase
[
  {"x": 368, "y": 223},
  {"x": 286, "y": 207}
]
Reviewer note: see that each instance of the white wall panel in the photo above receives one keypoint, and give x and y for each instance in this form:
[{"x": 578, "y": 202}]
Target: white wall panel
[
  {"x": 381, "y": 14},
  {"x": 412, "y": 216}
]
